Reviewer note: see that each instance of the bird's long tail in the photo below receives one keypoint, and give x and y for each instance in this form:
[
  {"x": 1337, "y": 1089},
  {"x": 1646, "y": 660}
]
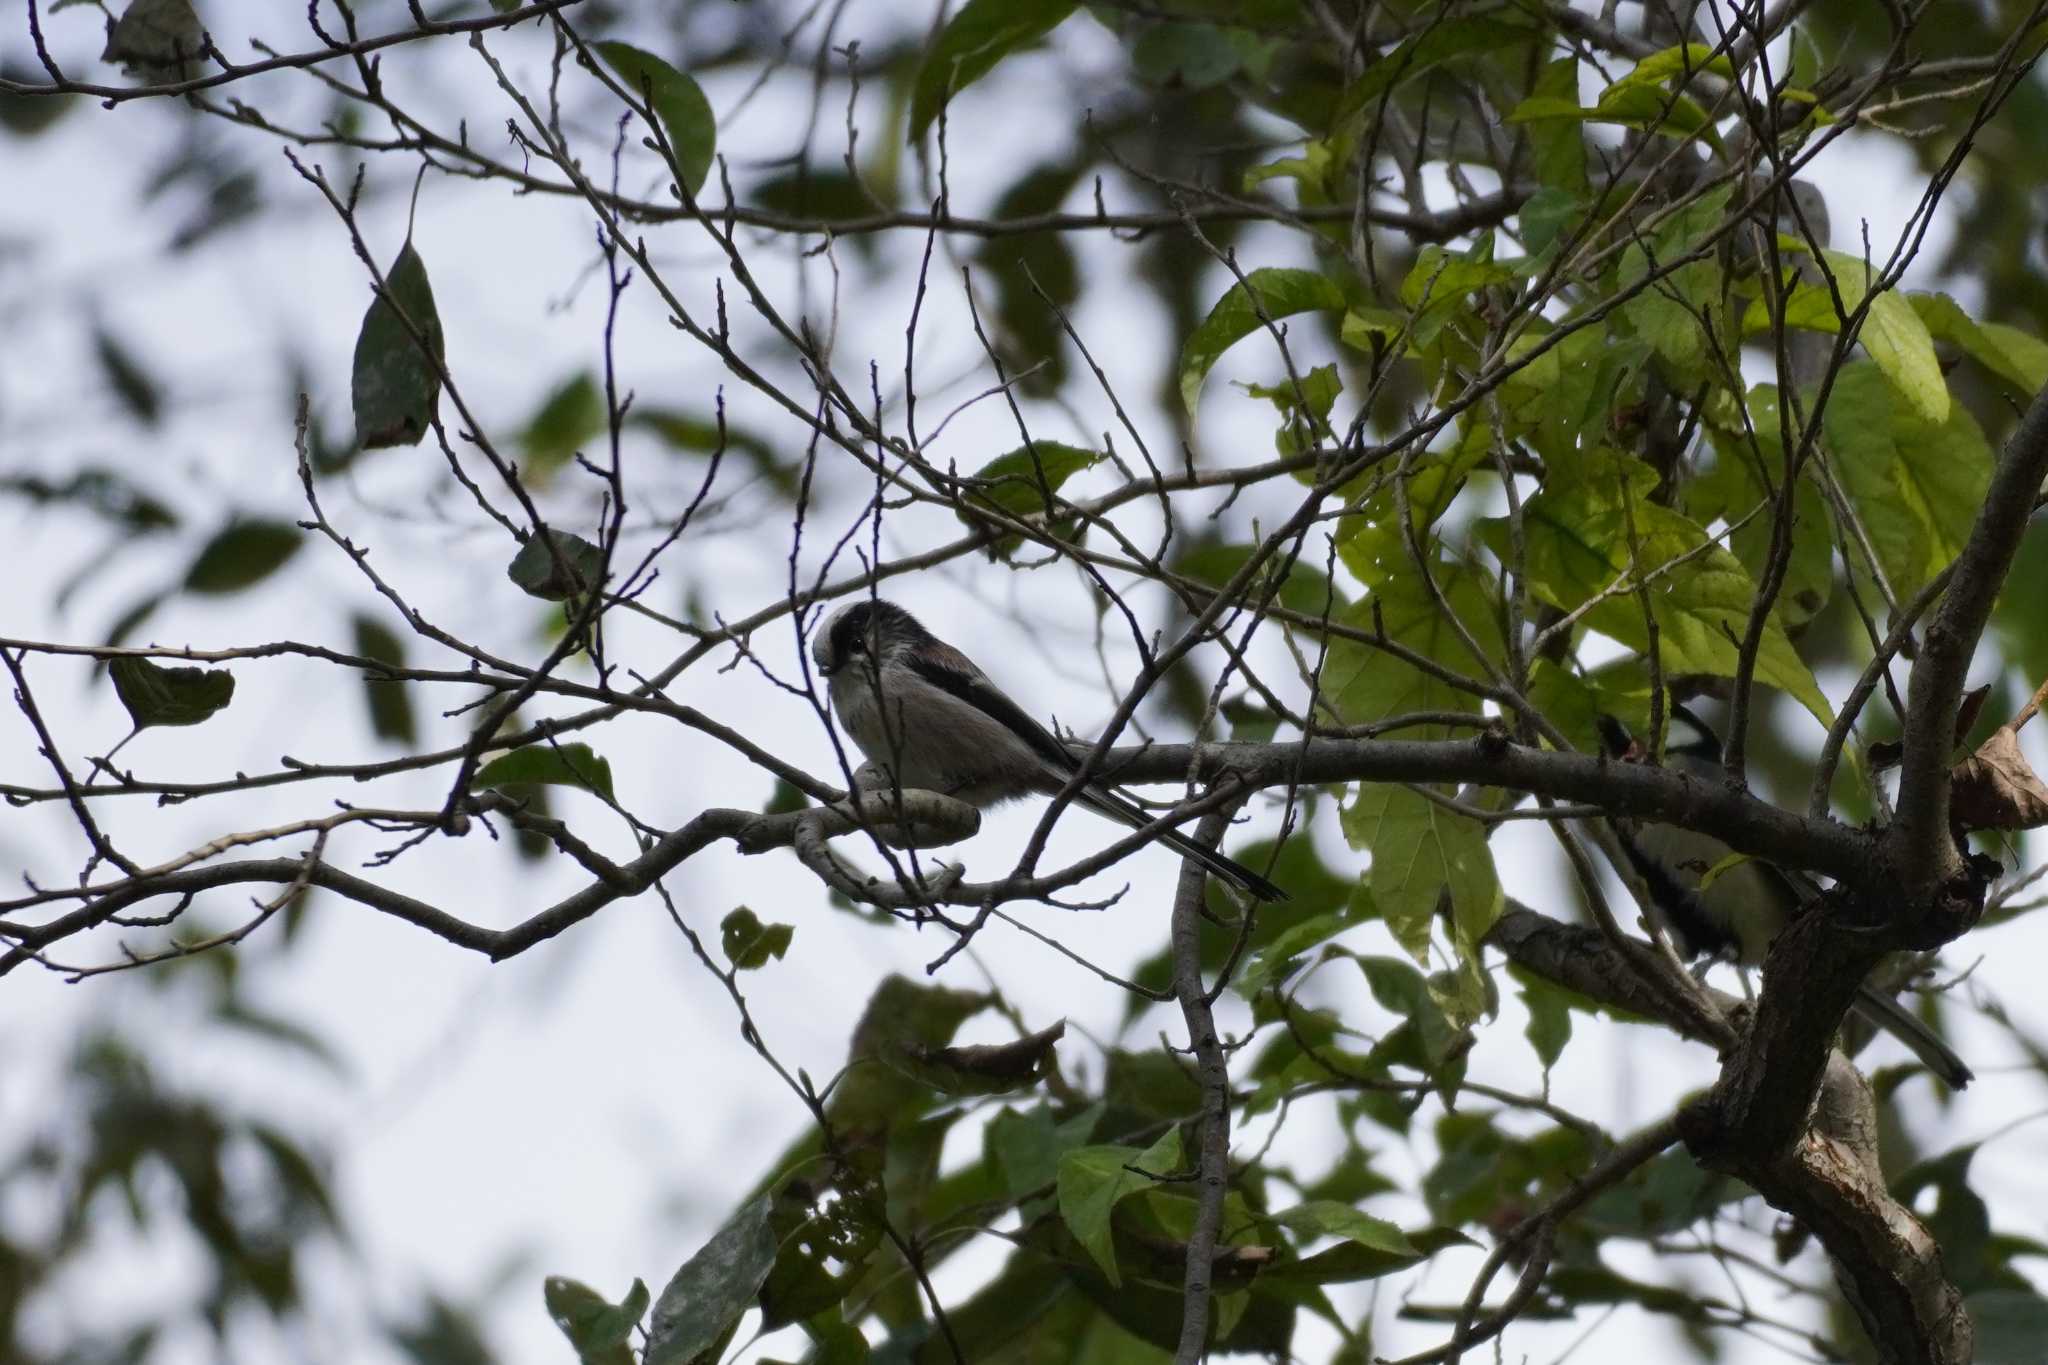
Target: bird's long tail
[
  {"x": 1128, "y": 812},
  {"x": 1888, "y": 1014}
]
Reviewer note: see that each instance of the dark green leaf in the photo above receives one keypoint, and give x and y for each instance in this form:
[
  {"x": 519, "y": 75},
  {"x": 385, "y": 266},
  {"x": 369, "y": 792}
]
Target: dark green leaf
[
  {"x": 391, "y": 714},
  {"x": 557, "y": 567},
  {"x": 1268, "y": 964},
  {"x": 1350, "y": 1261},
  {"x": 1023, "y": 482},
  {"x": 27, "y": 115},
  {"x": 1550, "y": 1022},
  {"x": 160, "y": 38},
  {"x": 155, "y": 695},
  {"x": 1183, "y": 56},
  {"x": 102, "y": 491},
  {"x": 1276, "y": 292},
  {"x": 241, "y": 555},
  {"x": 1403, "y": 990},
  {"x": 679, "y": 103},
  {"x": 396, "y": 386},
  {"x": 567, "y": 765},
  {"x": 1027, "y": 1147},
  {"x": 712, "y": 1289},
  {"x": 566, "y": 420},
  {"x": 982, "y": 1069},
  {"x": 1305, "y": 589},
  {"x": 980, "y": 34},
  {"x": 2011, "y": 1325},
  {"x": 598, "y": 1329},
  {"x": 749, "y": 943},
  {"x": 902, "y": 1015},
  {"x": 1431, "y": 48},
  {"x": 132, "y": 384}
]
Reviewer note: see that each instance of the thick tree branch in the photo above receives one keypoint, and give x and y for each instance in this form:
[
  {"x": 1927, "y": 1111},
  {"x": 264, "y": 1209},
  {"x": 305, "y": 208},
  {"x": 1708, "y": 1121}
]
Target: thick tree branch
[{"x": 1918, "y": 848}]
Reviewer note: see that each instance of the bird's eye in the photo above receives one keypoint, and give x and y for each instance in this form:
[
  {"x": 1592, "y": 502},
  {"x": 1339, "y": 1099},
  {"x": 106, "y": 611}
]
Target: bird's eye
[{"x": 857, "y": 646}]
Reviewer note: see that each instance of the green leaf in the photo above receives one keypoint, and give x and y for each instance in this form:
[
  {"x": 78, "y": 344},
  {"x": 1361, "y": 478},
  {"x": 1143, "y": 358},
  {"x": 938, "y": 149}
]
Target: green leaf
[
  {"x": 1545, "y": 214},
  {"x": 1306, "y": 588},
  {"x": 1305, "y": 406},
  {"x": 748, "y": 943},
  {"x": 1022, "y": 483},
  {"x": 1269, "y": 963},
  {"x": 1093, "y": 1179},
  {"x": 713, "y": 1289},
  {"x": 598, "y": 1329},
  {"x": 154, "y": 695},
  {"x": 1560, "y": 146},
  {"x": 567, "y": 765},
  {"x": 2026, "y": 355},
  {"x": 391, "y": 715},
  {"x": 902, "y": 1015},
  {"x": 1550, "y": 1022},
  {"x": 1366, "y": 684},
  {"x": 1631, "y": 106},
  {"x": 1279, "y": 292},
  {"x": 1685, "y": 60},
  {"x": 2007, "y": 352},
  {"x": 567, "y": 419},
  {"x": 677, "y": 100},
  {"x": 241, "y": 555},
  {"x": 161, "y": 38},
  {"x": 1916, "y": 485},
  {"x": 141, "y": 395},
  {"x": 1329, "y": 1218},
  {"x": 1576, "y": 541},
  {"x": 1352, "y": 1261},
  {"x": 396, "y": 386},
  {"x": 980, "y": 34},
  {"x": 1893, "y": 333},
  {"x": 2011, "y": 1325},
  {"x": 1669, "y": 314},
  {"x": 558, "y": 567},
  {"x": 1436, "y": 44},
  {"x": 1440, "y": 281},
  {"x": 1401, "y": 989},
  {"x": 101, "y": 491},
  {"x": 1185, "y": 56},
  {"x": 1027, "y": 1147}
]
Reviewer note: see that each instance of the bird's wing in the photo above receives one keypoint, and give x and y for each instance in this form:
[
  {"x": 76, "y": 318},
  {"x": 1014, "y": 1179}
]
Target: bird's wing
[{"x": 952, "y": 672}]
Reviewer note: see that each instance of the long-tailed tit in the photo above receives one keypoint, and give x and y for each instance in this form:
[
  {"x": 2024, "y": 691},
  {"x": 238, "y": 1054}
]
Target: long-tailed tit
[
  {"x": 920, "y": 709},
  {"x": 1739, "y": 912}
]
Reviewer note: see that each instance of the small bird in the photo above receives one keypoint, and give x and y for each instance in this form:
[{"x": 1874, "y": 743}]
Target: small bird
[
  {"x": 1741, "y": 910},
  {"x": 921, "y": 710}
]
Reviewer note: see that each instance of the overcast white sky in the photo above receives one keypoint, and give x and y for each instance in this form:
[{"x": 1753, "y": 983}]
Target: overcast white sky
[{"x": 590, "y": 1103}]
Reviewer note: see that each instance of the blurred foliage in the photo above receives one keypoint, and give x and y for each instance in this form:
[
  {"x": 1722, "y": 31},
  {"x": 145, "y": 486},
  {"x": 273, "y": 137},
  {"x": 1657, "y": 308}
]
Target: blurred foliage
[{"x": 1634, "y": 414}]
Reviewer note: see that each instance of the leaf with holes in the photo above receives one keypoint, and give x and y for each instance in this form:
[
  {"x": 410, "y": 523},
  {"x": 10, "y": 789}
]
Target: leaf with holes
[
  {"x": 596, "y": 1327},
  {"x": 749, "y": 943}
]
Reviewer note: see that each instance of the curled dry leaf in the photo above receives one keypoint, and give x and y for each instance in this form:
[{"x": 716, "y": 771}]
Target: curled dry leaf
[{"x": 1996, "y": 788}]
